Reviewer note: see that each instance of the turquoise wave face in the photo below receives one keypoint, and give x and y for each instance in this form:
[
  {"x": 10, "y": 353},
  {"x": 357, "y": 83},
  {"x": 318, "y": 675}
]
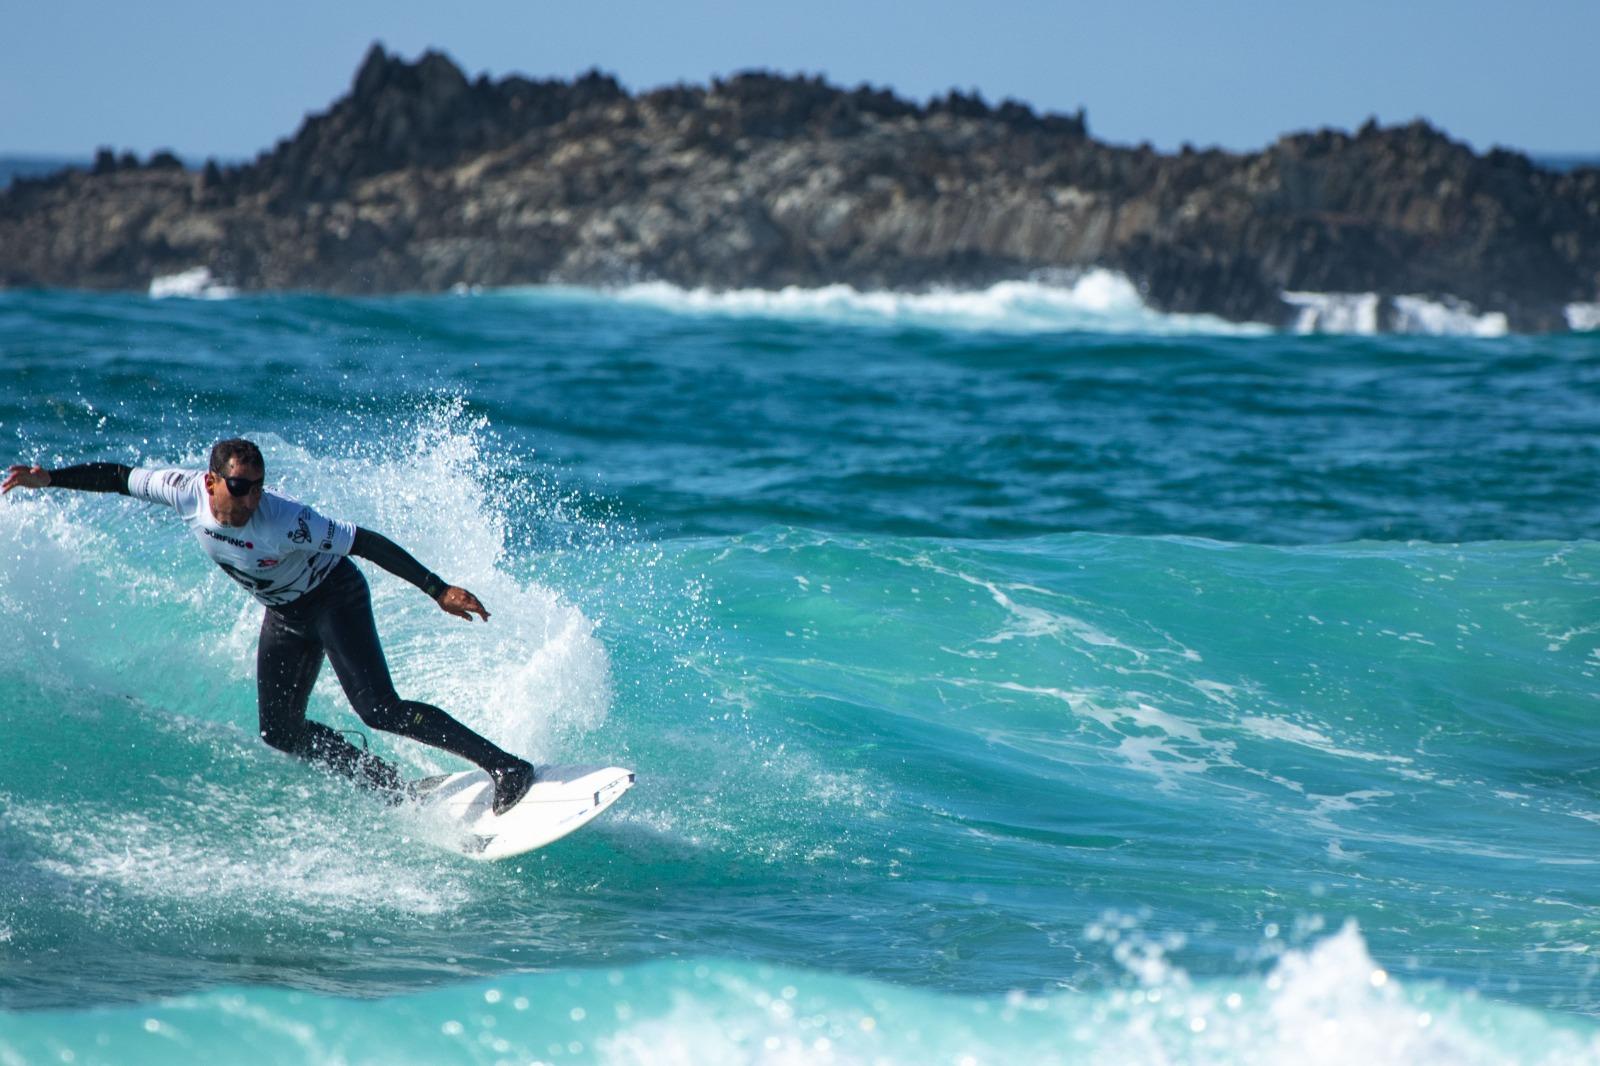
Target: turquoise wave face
[
  {"x": 913, "y": 776},
  {"x": 944, "y": 759}
]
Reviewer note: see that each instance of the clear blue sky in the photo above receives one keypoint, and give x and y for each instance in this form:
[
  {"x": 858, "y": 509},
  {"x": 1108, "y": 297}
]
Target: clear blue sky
[{"x": 227, "y": 79}]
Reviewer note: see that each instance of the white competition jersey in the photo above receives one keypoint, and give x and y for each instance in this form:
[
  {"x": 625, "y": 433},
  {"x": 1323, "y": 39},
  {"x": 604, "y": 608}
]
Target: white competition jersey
[{"x": 282, "y": 553}]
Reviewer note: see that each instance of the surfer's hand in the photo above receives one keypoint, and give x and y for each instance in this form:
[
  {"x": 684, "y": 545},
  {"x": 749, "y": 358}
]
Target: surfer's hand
[
  {"x": 461, "y": 603},
  {"x": 29, "y": 477}
]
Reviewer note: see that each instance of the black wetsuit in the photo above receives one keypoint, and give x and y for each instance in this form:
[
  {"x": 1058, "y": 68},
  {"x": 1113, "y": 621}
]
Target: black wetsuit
[{"x": 334, "y": 619}]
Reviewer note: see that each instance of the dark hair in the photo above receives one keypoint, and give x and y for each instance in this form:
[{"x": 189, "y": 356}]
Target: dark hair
[{"x": 238, "y": 448}]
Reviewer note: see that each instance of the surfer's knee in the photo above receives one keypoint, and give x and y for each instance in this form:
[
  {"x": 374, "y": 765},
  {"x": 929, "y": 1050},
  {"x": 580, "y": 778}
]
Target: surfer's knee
[{"x": 391, "y": 716}]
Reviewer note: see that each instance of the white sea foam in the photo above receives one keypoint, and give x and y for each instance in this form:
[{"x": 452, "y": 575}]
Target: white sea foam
[
  {"x": 1583, "y": 317},
  {"x": 1148, "y": 739},
  {"x": 1282, "y": 729},
  {"x": 1095, "y": 301},
  {"x": 1329, "y": 1004},
  {"x": 1367, "y": 313},
  {"x": 1337, "y": 312},
  {"x": 1416, "y": 314},
  {"x": 196, "y": 283},
  {"x": 305, "y": 855}
]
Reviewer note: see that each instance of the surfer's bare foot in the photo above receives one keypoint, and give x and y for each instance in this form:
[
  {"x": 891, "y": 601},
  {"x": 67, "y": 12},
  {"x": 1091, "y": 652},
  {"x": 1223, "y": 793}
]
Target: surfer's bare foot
[{"x": 511, "y": 783}]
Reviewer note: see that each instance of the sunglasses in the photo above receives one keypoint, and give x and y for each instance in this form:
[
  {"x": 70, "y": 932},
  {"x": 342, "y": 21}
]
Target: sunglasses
[{"x": 243, "y": 486}]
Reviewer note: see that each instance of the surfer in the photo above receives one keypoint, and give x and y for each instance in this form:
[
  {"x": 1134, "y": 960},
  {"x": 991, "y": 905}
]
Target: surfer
[{"x": 296, "y": 562}]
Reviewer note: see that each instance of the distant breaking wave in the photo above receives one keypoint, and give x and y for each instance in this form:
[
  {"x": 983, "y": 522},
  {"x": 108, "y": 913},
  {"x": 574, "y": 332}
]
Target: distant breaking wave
[
  {"x": 1102, "y": 301},
  {"x": 1583, "y": 318},
  {"x": 1098, "y": 301},
  {"x": 196, "y": 283},
  {"x": 1368, "y": 313}
]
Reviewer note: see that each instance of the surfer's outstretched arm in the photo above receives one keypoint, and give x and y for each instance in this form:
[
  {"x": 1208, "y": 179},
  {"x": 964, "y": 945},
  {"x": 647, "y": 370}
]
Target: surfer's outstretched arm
[
  {"x": 399, "y": 562},
  {"x": 86, "y": 477}
]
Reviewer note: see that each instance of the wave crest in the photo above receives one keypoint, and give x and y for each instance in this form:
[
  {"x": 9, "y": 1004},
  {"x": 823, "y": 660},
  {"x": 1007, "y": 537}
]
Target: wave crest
[{"x": 1094, "y": 301}]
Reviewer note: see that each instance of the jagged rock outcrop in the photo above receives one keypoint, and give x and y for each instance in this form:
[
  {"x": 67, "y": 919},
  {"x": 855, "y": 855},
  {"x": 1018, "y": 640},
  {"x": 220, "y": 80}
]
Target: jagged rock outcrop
[{"x": 421, "y": 179}]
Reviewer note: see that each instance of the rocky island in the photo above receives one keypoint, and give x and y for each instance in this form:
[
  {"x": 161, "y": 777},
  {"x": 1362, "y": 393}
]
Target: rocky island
[{"x": 422, "y": 179}]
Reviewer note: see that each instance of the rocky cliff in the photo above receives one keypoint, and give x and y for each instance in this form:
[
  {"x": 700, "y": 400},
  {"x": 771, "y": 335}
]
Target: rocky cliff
[{"x": 421, "y": 179}]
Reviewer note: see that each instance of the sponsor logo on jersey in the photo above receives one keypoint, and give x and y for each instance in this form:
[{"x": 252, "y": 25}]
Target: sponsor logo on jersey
[
  {"x": 235, "y": 541},
  {"x": 265, "y": 563},
  {"x": 301, "y": 533},
  {"x": 175, "y": 478}
]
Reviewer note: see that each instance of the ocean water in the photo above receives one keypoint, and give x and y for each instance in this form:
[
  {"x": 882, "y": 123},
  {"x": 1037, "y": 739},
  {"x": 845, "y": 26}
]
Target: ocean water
[{"x": 1010, "y": 676}]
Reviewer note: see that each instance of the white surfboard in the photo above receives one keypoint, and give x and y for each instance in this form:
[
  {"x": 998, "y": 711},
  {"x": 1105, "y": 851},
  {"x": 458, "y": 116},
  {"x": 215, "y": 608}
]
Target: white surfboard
[{"x": 562, "y": 799}]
